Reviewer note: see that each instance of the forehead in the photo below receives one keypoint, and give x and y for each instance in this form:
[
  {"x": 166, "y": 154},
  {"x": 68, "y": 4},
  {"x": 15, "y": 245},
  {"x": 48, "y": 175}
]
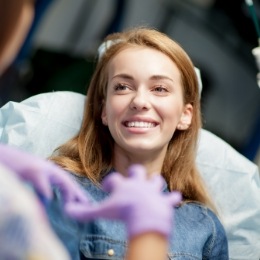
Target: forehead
[{"x": 142, "y": 60}]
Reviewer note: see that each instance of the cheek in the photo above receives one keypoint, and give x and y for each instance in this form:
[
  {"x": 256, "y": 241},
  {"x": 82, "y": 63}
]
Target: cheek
[
  {"x": 114, "y": 109},
  {"x": 170, "y": 111}
]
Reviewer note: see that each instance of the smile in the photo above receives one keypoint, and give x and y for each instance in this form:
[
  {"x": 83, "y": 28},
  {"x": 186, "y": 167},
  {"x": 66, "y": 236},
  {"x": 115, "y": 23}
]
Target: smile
[{"x": 139, "y": 124}]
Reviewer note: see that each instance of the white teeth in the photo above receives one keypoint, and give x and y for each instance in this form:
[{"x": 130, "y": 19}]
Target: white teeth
[{"x": 140, "y": 124}]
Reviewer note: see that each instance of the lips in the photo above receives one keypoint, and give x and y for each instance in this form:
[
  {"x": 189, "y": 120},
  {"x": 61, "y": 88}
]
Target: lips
[{"x": 140, "y": 124}]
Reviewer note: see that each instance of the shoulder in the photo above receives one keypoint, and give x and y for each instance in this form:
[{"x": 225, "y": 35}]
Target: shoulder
[
  {"x": 199, "y": 213},
  {"x": 201, "y": 228},
  {"x": 198, "y": 232}
]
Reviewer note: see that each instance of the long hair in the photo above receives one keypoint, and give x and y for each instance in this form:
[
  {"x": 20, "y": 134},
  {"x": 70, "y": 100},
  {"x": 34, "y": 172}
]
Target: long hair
[{"x": 90, "y": 152}]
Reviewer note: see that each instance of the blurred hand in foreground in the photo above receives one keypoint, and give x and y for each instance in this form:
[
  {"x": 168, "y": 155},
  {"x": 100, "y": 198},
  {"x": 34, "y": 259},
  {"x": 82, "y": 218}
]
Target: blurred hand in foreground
[{"x": 136, "y": 200}]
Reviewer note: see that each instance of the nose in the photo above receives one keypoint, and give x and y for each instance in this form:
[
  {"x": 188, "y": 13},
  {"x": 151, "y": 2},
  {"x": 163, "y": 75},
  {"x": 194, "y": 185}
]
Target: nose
[{"x": 140, "y": 101}]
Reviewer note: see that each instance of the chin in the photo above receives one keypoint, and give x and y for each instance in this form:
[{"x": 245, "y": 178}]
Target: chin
[{"x": 141, "y": 148}]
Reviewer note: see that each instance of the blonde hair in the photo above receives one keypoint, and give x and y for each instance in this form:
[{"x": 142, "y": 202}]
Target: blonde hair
[{"x": 90, "y": 152}]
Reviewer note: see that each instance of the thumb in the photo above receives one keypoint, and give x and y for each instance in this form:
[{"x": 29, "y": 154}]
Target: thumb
[
  {"x": 41, "y": 183},
  {"x": 111, "y": 181},
  {"x": 174, "y": 198},
  {"x": 87, "y": 212}
]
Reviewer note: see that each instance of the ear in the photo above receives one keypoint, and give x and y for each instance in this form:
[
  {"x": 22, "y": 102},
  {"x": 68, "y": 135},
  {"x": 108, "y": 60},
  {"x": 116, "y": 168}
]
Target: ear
[
  {"x": 186, "y": 117},
  {"x": 104, "y": 115}
]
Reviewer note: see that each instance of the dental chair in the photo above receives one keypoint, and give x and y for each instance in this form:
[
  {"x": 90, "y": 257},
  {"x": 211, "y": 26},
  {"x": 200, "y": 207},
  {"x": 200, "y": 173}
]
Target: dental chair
[{"x": 41, "y": 123}]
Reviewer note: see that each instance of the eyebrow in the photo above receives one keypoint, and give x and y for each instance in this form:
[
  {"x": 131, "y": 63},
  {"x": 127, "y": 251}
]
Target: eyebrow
[
  {"x": 123, "y": 76},
  {"x": 158, "y": 77},
  {"x": 154, "y": 77}
]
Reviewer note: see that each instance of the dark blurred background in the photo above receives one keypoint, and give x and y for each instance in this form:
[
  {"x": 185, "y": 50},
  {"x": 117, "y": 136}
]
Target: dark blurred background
[{"x": 219, "y": 36}]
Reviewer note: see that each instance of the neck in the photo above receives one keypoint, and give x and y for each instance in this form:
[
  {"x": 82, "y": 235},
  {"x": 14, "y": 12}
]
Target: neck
[{"x": 153, "y": 162}]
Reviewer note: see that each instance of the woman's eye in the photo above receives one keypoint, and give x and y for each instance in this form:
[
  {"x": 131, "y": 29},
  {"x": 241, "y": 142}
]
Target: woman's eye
[
  {"x": 160, "y": 89},
  {"x": 121, "y": 87}
]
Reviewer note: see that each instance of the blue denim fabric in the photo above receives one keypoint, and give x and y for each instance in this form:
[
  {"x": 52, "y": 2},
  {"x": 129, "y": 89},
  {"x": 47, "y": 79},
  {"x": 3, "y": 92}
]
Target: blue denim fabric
[{"x": 197, "y": 234}]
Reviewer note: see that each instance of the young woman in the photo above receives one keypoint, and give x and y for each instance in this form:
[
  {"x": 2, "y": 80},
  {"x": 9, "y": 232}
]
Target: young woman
[
  {"x": 20, "y": 235},
  {"x": 142, "y": 108}
]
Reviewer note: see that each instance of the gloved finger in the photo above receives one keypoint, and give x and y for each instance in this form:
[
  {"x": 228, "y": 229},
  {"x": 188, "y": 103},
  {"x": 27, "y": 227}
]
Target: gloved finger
[
  {"x": 137, "y": 171},
  {"x": 57, "y": 176},
  {"x": 40, "y": 183},
  {"x": 174, "y": 198},
  {"x": 43, "y": 188},
  {"x": 73, "y": 193},
  {"x": 158, "y": 182},
  {"x": 77, "y": 211},
  {"x": 84, "y": 212},
  {"x": 70, "y": 190},
  {"x": 80, "y": 196},
  {"x": 111, "y": 181}
]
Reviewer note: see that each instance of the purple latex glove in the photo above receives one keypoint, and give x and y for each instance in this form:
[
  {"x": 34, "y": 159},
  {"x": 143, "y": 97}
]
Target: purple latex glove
[
  {"x": 136, "y": 200},
  {"x": 41, "y": 173}
]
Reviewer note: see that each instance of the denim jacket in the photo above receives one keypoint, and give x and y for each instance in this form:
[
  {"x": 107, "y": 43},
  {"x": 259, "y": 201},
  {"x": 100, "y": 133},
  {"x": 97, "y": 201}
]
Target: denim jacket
[{"x": 197, "y": 232}]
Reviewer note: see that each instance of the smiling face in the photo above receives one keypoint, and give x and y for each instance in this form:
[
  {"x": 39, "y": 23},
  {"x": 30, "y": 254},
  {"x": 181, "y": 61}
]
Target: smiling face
[{"x": 144, "y": 103}]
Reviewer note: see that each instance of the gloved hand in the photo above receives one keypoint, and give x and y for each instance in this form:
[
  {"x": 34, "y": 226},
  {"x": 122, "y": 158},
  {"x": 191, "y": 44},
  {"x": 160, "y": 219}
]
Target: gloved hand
[
  {"x": 136, "y": 200},
  {"x": 41, "y": 173}
]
